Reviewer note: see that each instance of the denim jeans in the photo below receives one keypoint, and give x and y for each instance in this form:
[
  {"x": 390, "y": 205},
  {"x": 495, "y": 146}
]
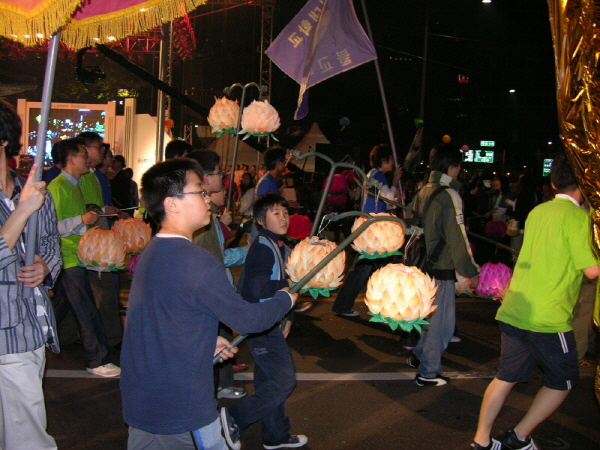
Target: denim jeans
[
  {"x": 73, "y": 292},
  {"x": 274, "y": 381},
  {"x": 437, "y": 334},
  {"x": 206, "y": 438}
]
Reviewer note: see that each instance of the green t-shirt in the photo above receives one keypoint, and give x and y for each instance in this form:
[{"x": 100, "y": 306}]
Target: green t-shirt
[
  {"x": 91, "y": 189},
  {"x": 69, "y": 202},
  {"x": 548, "y": 273}
]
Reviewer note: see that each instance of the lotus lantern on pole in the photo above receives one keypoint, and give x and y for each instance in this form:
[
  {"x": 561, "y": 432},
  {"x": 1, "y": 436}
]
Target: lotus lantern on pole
[
  {"x": 223, "y": 116},
  {"x": 101, "y": 250},
  {"x": 381, "y": 239}
]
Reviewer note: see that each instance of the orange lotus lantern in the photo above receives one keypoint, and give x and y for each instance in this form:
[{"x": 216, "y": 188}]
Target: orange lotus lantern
[
  {"x": 135, "y": 234},
  {"x": 401, "y": 296},
  {"x": 101, "y": 250},
  {"x": 223, "y": 116},
  {"x": 381, "y": 239},
  {"x": 259, "y": 119},
  {"x": 306, "y": 255},
  {"x": 463, "y": 285}
]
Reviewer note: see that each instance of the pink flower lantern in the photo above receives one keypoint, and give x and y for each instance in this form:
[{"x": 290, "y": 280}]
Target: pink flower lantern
[
  {"x": 259, "y": 119},
  {"x": 223, "y": 116},
  {"x": 494, "y": 279}
]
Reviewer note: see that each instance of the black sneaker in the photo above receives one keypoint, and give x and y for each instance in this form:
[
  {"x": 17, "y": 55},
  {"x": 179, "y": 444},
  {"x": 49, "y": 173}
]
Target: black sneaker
[
  {"x": 230, "y": 430},
  {"x": 413, "y": 362},
  {"x": 510, "y": 441},
  {"x": 438, "y": 380},
  {"x": 293, "y": 442},
  {"x": 493, "y": 445},
  {"x": 349, "y": 314}
]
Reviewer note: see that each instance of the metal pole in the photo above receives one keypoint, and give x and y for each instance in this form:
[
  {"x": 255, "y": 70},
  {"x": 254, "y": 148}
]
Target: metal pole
[
  {"x": 381, "y": 89},
  {"x": 162, "y": 75},
  {"x": 32, "y": 223},
  {"x": 424, "y": 71}
]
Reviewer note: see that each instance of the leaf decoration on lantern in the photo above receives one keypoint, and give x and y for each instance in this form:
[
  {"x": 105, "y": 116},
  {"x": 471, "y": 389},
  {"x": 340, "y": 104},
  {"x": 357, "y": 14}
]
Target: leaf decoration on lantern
[
  {"x": 223, "y": 116},
  {"x": 135, "y": 234},
  {"x": 101, "y": 251},
  {"x": 259, "y": 119},
  {"x": 380, "y": 239},
  {"x": 306, "y": 255},
  {"x": 404, "y": 325}
]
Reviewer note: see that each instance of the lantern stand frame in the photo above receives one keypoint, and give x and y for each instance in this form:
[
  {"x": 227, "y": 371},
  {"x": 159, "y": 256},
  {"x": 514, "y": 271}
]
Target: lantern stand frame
[{"x": 227, "y": 91}]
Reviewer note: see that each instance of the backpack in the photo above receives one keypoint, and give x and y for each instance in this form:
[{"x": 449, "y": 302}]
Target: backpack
[{"x": 415, "y": 251}]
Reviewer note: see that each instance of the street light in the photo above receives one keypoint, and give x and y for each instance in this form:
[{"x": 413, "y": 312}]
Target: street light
[{"x": 512, "y": 91}]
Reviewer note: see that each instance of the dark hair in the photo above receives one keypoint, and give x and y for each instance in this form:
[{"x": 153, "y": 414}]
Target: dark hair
[
  {"x": 120, "y": 159},
  {"x": 273, "y": 155},
  {"x": 10, "y": 129},
  {"x": 245, "y": 187},
  {"x": 446, "y": 156},
  {"x": 165, "y": 179},
  {"x": 177, "y": 147},
  {"x": 128, "y": 171},
  {"x": 207, "y": 159},
  {"x": 378, "y": 154},
  {"x": 66, "y": 148},
  {"x": 54, "y": 153},
  {"x": 89, "y": 137},
  {"x": 562, "y": 175},
  {"x": 264, "y": 203},
  {"x": 504, "y": 183}
]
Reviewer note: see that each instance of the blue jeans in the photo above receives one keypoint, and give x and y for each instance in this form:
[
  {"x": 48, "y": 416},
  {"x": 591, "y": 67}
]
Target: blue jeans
[
  {"x": 73, "y": 292},
  {"x": 437, "y": 334},
  {"x": 274, "y": 381},
  {"x": 206, "y": 438}
]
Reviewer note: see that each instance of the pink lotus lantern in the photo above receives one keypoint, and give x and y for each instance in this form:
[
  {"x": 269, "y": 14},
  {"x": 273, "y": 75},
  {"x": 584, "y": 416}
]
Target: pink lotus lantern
[
  {"x": 101, "y": 250},
  {"x": 259, "y": 119},
  {"x": 135, "y": 234},
  {"x": 306, "y": 255},
  {"x": 494, "y": 279},
  {"x": 463, "y": 285},
  {"x": 223, "y": 116},
  {"x": 401, "y": 296},
  {"x": 381, "y": 239}
]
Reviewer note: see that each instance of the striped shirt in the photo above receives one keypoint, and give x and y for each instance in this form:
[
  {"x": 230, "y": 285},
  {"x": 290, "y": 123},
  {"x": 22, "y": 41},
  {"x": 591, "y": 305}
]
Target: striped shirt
[{"x": 27, "y": 324}]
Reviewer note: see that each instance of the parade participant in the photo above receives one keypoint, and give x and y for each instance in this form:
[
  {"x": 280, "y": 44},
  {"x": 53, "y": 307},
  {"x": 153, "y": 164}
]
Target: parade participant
[
  {"x": 274, "y": 373},
  {"x": 178, "y": 296},
  {"x": 177, "y": 149},
  {"x": 275, "y": 159},
  {"x": 536, "y": 313}
]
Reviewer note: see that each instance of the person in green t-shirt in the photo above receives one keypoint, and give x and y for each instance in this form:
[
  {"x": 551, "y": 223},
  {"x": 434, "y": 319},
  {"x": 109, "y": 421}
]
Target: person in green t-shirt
[{"x": 535, "y": 316}]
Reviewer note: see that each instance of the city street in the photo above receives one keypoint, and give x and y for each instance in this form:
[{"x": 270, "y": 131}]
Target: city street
[{"x": 355, "y": 391}]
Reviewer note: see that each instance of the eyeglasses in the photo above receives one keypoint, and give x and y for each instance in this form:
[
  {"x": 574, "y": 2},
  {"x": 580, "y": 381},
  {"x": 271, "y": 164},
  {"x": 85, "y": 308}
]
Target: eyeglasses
[
  {"x": 218, "y": 173},
  {"x": 204, "y": 192}
]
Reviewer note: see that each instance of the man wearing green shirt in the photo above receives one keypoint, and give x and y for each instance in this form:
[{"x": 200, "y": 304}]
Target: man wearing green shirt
[{"x": 535, "y": 316}]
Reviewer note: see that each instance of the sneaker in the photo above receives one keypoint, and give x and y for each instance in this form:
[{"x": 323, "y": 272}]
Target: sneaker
[
  {"x": 493, "y": 445},
  {"x": 413, "y": 362},
  {"x": 455, "y": 340},
  {"x": 349, "y": 314},
  {"x": 438, "y": 380},
  {"x": 510, "y": 441},
  {"x": 107, "y": 370},
  {"x": 231, "y": 392},
  {"x": 293, "y": 442},
  {"x": 230, "y": 430}
]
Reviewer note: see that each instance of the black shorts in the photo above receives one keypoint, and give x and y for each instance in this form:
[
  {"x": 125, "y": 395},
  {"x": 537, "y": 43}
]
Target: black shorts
[{"x": 555, "y": 352}]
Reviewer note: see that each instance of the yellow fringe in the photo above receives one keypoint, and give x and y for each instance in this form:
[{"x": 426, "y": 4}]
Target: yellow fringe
[
  {"x": 126, "y": 22},
  {"x": 46, "y": 18}
]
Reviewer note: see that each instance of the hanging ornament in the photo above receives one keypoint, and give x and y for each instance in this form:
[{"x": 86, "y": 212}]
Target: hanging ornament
[
  {"x": 259, "y": 119},
  {"x": 463, "y": 285},
  {"x": 135, "y": 234},
  {"x": 446, "y": 138},
  {"x": 380, "y": 240},
  {"x": 401, "y": 296},
  {"x": 306, "y": 255},
  {"x": 223, "y": 116},
  {"x": 494, "y": 279},
  {"x": 101, "y": 250}
]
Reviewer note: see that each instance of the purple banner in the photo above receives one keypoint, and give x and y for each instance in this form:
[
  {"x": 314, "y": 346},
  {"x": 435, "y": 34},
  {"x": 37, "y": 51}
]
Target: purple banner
[{"x": 324, "y": 39}]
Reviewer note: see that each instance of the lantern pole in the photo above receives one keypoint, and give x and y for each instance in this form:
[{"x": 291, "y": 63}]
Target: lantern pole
[
  {"x": 32, "y": 223},
  {"x": 227, "y": 91},
  {"x": 300, "y": 284}
]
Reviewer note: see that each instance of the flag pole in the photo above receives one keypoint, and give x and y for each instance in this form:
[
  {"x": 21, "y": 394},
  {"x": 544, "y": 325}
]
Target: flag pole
[
  {"x": 32, "y": 223},
  {"x": 381, "y": 89}
]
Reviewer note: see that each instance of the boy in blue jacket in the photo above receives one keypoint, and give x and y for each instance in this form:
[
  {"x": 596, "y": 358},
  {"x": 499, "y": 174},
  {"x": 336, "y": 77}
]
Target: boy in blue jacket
[{"x": 274, "y": 373}]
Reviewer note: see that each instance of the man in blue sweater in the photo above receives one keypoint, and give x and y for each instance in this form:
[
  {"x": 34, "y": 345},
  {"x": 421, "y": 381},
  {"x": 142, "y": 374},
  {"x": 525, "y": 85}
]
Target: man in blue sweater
[{"x": 179, "y": 294}]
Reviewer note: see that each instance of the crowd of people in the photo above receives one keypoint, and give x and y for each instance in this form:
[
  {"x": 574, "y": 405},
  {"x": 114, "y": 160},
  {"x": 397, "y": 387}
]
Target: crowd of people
[{"x": 179, "y": 320}]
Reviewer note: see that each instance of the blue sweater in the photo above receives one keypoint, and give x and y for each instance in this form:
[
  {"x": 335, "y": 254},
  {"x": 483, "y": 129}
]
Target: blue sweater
[{"x": 178, "y": 296}]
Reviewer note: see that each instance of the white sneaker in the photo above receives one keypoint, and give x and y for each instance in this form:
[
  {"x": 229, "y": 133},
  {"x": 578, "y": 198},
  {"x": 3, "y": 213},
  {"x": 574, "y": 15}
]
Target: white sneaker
[
  {"x": 107, "y": 370},
  {"x": 455, "y": 340}
]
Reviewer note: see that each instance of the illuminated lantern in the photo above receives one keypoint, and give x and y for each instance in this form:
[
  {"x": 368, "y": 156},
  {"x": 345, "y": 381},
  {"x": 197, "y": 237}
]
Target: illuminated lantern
[
  {"x": 446, "y": 138},
  {"x": 259, "y": 119},
  {"x": 306, "y": 255},
  {"x": 380, "y": 239},
  {"x": 223, "y": 116},
  {"x": 463, "y": 285},
  {"x": 135, "y": 234},
  {"x": 400, "y": 296},
  {"x": 494, "y": 279},
  {"x": 169, "y": 123},
  {"x": 300, "y": 227},
  {"x": 101, "y": 250}
]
